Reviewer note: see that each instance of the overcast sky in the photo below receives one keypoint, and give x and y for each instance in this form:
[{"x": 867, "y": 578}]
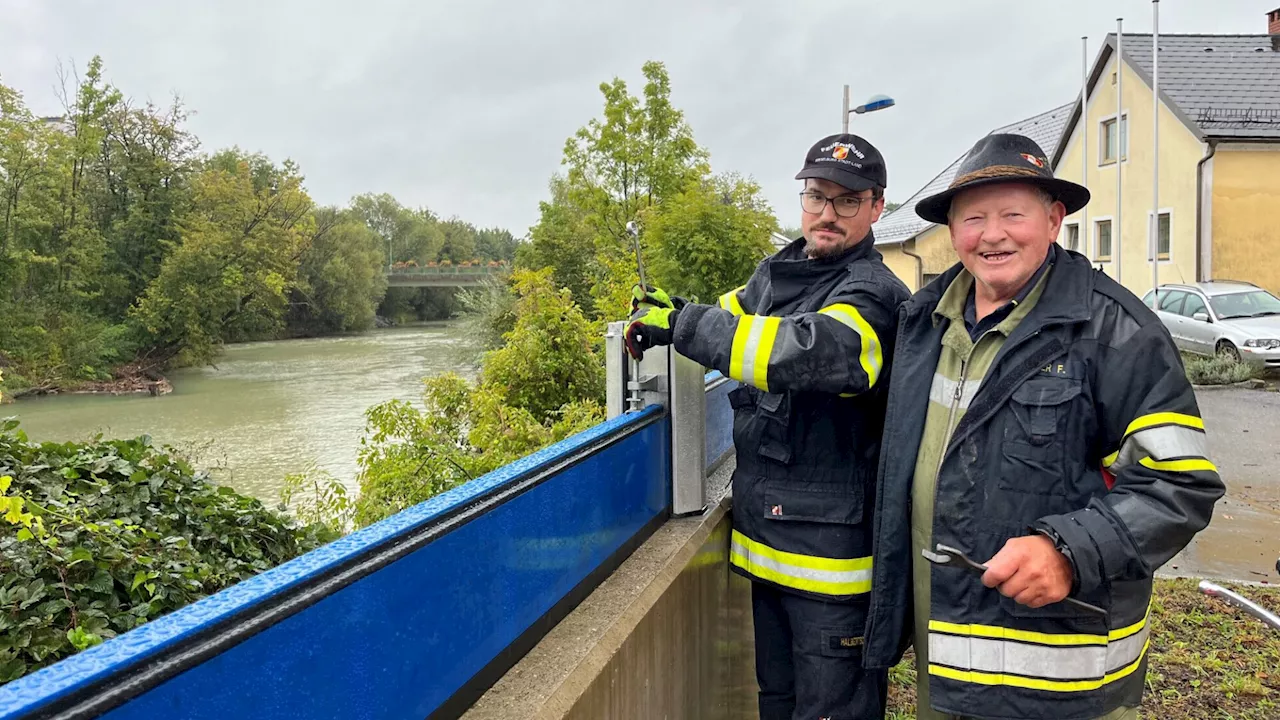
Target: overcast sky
[{"x": 465, "y": 106}]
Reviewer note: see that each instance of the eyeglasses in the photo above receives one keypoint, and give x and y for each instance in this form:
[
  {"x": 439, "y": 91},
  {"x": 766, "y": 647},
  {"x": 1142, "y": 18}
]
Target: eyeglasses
[{"x": 846, "y": 206}]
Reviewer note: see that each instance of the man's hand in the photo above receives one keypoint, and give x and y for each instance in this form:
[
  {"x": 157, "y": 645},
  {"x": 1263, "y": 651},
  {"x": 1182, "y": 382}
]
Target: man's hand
[
  {"x": 1031, "y": 571},
  {"x": 650, "y": 326},
  {"x": 650, "y": 296}
]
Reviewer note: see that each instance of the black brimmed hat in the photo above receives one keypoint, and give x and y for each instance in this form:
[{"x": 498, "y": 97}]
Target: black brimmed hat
[
  {"x": 846, "y": 160},
  {"x": 1002, "y": 159}
]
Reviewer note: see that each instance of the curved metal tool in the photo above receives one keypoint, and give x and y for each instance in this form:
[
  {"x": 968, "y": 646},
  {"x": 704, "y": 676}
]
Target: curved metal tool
[
  {"x": 952, "y": 557},
  {"x": 1249, "y": 606}
]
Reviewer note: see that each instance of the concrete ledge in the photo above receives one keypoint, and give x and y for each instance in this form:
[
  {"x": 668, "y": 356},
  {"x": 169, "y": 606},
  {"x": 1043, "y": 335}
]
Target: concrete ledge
[{"x": 667, "y": 635}]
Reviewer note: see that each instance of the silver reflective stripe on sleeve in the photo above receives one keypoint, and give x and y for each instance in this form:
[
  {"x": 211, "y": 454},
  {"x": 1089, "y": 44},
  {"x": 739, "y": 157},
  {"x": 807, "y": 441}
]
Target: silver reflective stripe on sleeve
[{"x": 1162, "y": 443}]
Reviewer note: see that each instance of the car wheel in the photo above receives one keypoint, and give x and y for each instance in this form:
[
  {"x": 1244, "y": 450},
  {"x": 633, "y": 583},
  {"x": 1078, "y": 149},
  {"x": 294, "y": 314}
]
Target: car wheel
[{"x": 1228, "y": 351}]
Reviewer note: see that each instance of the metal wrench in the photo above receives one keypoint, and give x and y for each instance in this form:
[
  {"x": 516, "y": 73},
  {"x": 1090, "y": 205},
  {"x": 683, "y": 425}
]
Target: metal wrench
[
  {"x": 952, "y": 557},
  {"x": 634, "y": 231}
]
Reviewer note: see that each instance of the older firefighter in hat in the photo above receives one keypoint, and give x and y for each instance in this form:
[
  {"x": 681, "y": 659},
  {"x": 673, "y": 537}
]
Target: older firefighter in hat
[
  {"x": 1059, "y": 443},
  {"x": 808, "y": 336}
]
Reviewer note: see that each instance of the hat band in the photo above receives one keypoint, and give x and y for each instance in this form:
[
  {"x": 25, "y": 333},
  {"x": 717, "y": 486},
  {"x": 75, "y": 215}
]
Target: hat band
[{"x": 995, "y": 171}]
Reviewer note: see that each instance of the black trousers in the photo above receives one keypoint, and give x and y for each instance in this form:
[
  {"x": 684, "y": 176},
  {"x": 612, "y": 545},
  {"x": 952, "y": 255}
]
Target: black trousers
[{"x": 809, "y": 659}]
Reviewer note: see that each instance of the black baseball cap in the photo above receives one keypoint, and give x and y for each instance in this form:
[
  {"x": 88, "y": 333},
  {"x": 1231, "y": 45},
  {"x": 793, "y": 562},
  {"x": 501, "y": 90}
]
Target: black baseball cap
[{"x": 846, "y": 160}]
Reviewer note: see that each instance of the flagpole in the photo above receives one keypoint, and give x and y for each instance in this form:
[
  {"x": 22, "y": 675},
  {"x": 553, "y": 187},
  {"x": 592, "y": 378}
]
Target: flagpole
[
  {"x": 1117, "y": 232},
  {"x": 1155, "y": 161},
  {"x": 1084, "y": 140}
]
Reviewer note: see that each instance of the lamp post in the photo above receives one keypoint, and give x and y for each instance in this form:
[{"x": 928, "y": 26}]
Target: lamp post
[{"x": 874, "y": 103}]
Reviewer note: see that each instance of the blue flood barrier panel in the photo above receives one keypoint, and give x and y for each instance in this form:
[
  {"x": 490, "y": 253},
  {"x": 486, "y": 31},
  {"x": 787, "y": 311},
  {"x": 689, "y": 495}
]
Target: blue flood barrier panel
[
  {"x": 401, "y": 641},
  {"x": 719, "y": 418}
]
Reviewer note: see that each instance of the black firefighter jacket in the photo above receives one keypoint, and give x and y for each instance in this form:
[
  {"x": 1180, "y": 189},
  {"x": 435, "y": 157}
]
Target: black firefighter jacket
[
  {"x": 809, "y": 339},
  {"x": 1086, "y": 428}
]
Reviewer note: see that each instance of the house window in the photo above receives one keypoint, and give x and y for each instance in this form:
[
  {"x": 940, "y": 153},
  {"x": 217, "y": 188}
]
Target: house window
[
  {"x": 1162, "y": 235},
  {"x": 1108, "y": 143},
  {"x": 1102, "y": 235},
  {"x": 1072, "y": 240}
]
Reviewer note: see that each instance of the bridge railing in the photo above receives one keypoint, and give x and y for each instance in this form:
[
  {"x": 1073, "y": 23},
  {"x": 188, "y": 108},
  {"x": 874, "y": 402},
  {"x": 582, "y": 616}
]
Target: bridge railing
[{"x": 416, "y": 615}]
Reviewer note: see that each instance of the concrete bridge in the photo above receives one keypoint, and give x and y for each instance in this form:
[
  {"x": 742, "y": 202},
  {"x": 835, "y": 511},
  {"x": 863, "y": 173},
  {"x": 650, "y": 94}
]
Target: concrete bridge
[{"x": 454, "y": 276}]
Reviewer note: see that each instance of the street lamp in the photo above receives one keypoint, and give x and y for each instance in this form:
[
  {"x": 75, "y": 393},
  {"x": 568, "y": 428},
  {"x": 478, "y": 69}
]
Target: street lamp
[{"x": 874, "y": 103}]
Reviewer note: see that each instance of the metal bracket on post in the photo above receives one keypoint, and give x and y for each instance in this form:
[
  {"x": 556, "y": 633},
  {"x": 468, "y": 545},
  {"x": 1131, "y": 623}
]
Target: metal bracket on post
[{"x": 631, "y": 385}]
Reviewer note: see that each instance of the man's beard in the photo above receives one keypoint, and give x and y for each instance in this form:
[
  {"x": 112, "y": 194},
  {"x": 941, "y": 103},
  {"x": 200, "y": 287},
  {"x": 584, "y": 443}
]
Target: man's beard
[{"x": 826, "y": 252}]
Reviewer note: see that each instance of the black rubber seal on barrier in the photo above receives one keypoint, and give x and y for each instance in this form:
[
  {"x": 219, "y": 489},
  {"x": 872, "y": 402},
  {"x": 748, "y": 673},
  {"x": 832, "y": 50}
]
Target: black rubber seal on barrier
[
  {"x": 479, "y": 684},
  {"x": 113, "y": 691}
]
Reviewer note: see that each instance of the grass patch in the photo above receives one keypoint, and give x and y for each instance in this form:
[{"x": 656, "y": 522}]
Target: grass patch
[
  {"x": 1218, "y": 370},
  {"x": 1208, "y": 660}
]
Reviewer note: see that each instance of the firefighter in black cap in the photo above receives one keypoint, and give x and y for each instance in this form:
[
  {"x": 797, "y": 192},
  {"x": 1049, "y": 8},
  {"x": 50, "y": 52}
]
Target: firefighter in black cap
[{"x": 810, "y": 336}]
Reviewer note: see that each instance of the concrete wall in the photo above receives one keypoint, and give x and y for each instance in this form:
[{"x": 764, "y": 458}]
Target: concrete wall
[
  {"x": 1245, "y": 221},
  {"x": 1179, "y": 153}
]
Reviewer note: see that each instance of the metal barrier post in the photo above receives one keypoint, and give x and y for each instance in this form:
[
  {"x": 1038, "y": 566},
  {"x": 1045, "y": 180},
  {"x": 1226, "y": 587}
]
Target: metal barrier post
[
  {"x": 664, "y": 377},
  {"x": 687, "y": 406},
  {"x": 616, "y": 365}
]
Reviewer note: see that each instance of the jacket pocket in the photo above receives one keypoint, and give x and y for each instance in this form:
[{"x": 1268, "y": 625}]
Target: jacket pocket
[
  {"x": 743, "y": 397},
  {"x": 1033, "y": 451},
  {"x": 811, "y": 502}
]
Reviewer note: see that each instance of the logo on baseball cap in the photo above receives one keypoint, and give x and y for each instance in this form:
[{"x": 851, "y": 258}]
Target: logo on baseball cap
[{"x": 846, "y": 160}]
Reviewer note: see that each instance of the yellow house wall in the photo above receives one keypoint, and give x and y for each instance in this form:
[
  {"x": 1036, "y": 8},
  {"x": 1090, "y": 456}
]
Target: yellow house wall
[
  {"x": 934, "y": 246},
  {"x": 1179, "y": 153},
  {"x": 1246, "y": 228},
  {"x": 902, "y": 265}
]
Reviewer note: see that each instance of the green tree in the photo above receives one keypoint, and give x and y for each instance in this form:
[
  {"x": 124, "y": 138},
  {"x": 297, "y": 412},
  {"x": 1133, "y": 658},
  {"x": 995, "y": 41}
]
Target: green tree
[
  {"x": 709, "y": 239},
  {"x": 459, "y": 241},
  {"x": 340, "y": 277},
  {"x": 564, "y": 241},
  {"x": 241, "y": 245},
  {"x": 145, "y": 164},
  {"x": 638, "y": 154},
  {"x": 496, "y": 244},
  {"x": 406, "y": 234}
]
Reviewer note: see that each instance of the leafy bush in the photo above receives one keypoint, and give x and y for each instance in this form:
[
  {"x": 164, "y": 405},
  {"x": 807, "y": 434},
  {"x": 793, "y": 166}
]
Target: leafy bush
[
  {"x": 102, "y": 537},
  {"x": 1218, "y": 370},
  {"x": 464, "y": 431},
  {"x": 550, "y": 357}
]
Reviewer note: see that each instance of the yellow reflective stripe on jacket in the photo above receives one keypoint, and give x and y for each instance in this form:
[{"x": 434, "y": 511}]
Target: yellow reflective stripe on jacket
[
  {"x": 729, "y": 301},
  {"x": 752, "y": 346},
  {"x": 825, "y": 576},
  {"x": 989, "y": 655},
  {"x": 871, "y": 357},
  {"x": 1164, "y": 418},
  {"x": 1186, "y": 465},
  {"x": 1155, "y": 439}
]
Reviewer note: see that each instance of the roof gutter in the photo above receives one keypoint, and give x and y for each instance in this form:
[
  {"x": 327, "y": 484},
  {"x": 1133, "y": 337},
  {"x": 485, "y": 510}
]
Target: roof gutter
[
  {"x": 1213, "y": 149},
  {"x": 919, "y": 264}
]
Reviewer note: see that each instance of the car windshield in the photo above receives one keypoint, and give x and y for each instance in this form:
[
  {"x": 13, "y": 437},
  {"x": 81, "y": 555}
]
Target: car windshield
[{"x": 1255, "y": 303}]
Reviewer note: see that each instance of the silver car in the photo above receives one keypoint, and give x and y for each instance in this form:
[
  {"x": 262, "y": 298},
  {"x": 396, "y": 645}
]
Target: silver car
[{"x": 1223, "y": 317}]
